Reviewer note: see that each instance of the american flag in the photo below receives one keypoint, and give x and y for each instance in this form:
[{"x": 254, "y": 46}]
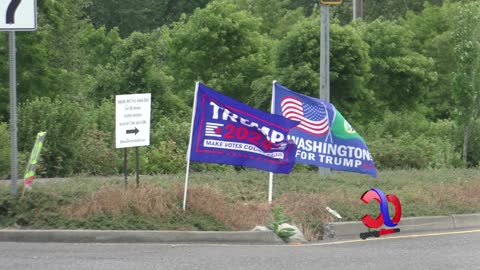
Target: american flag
[{"x": 313, "y": 118}]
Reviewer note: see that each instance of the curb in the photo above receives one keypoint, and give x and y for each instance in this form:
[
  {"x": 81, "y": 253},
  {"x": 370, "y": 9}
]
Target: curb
[
  {"x": 101, "y": 236},
  {"x": 342, "y": 230}
]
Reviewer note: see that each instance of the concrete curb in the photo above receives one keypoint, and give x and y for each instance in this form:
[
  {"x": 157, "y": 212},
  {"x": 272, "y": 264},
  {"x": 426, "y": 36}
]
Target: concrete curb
[
  {"x": 101, "y": 236},
  {"x": 332, "y": 231},
  {"x": 342, "y": 230}
]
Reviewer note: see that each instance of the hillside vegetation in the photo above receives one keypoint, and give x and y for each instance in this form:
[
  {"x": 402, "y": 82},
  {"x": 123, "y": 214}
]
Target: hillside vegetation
[{"x": 406, "y": 76}]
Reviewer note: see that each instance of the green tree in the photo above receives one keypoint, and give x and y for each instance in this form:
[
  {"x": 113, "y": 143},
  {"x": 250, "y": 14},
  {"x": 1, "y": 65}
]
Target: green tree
[
  {"x": 400, "y": 76},
  {"x": 136, "y": 65},
  {"x": 220, "y": 45},
  {"x": 141, "y": 16},
  {"x": 432, "y": 33},
  {"x": 466, "y": 44},
  {"x": 298, "y": 65},
  {"x": 277, "y": 16}
]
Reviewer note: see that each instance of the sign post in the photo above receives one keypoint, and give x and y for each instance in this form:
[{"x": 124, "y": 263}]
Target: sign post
[
  {"x": 132, "y": 125},
  {"x": 15, "y": 15}
]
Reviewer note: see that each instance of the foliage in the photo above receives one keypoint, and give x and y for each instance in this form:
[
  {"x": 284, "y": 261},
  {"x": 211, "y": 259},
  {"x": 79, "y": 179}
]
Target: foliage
[
  {"x": 4, "y": 150},
  {"x": 415, "y": 58},
  {"x": 466, "y": 45},
  {"x": 237, "y": 55},
  {"x": 279, "y": 218},
  {"x": 298, "y": 65},
  {"x": 431, "y": 31},
  {"x": 130, "y": 15},
  {"x": 65, "y": 122},
  {"x": 400, "y": 76},
  {"x": 409, "y": 140},
  {"x": 214, "y": 202},
  {"x": 96, "y": 156}
]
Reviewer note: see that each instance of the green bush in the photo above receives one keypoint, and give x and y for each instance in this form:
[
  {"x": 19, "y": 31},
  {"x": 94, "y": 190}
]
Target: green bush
[
  {"x": 96, "y": 156},
  {"x": 65, "y": 122},
  {"x": 409, "y": 151},
  {"x": 409, "y": 140},
  {"x": 4, "y": 150},
  {"x": 278, "y": 219}
]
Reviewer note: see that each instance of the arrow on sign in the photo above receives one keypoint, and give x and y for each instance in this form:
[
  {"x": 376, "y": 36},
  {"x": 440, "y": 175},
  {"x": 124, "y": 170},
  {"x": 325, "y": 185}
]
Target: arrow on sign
[
  {"x": 12, "y": 7},
  {"x": 135, "y": 131}
]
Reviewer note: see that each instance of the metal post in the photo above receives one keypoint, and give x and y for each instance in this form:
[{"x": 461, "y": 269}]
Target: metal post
[
  {"x": 125, "y": 166},
  {"x": 324, "y": 63},
  {"x": 137, "y": 154},
  {"x": 357, "y": 9},
  {"x": 13, "y": 112},
  {"x": 354, "y": 9}
]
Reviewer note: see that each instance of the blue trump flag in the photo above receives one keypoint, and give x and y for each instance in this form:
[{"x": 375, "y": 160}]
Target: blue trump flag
[
  {"x": 227, "y": 131},
  {"x": 324, "y": 138}
]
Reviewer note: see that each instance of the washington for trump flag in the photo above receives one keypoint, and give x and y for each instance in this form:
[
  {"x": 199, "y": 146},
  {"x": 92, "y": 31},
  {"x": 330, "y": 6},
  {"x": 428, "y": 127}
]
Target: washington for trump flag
[
  {"x": 227, "y": 131},
  {"x": 324, "y": 138}
]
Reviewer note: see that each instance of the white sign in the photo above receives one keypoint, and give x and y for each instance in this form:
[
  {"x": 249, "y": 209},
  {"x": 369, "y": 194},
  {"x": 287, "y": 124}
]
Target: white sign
[
  {"x": 18, "y": 15},
  {"x": 132, "y": 120}
]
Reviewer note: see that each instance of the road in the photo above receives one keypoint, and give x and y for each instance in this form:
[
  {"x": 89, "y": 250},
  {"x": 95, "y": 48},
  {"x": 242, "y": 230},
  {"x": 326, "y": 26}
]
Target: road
[{"x": 449, "y": 250}]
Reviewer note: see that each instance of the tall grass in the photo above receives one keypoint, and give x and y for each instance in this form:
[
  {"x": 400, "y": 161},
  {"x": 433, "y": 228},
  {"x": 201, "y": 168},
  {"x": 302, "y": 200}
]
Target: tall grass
[{"x": 235, "y": 200}]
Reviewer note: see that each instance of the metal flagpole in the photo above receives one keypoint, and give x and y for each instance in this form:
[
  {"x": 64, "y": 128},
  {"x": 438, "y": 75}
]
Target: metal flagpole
[
  {"x": 324, "y": 62},
  {"x": 270, "y": 180},
  {"x": 190, "y": 148},
  {"x": 13, "y": 112}
]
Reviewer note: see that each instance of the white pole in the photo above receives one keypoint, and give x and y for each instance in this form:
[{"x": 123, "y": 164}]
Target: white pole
[
  {"x": 190, "y": 148},
  {"x": 270, "y": 180}
]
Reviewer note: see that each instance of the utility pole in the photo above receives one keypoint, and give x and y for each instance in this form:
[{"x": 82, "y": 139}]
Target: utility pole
[
  {"x": 357, "y": 9},
  {"x": 324, "y": 62}
]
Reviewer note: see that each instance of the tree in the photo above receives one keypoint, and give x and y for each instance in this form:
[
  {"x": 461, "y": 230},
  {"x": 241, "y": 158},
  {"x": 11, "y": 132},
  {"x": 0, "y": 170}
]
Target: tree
[
  {"x": 222, "y": 46},
  {"x": 432, "y": 34},
  {"x": 466, "y": 44},
  {"x": 141, "y": 16},
  {"x": 277, "y": 16},
  {"x": 135, "y": 65},
  {"x": 298, "y": 64},
  {"x": 400, "y": 76}
]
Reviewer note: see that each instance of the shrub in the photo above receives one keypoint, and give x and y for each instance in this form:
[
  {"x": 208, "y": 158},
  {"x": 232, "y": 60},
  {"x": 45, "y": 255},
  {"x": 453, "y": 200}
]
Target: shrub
[
  {"x": 408, "y": 151},
  {"x": 278, "y": 219},
  {"x": 4, "y": 150},
  {"x": 96, "y": 156},
  {"x": 409, "y": 140},
  {"x": 65, "y": 122}
]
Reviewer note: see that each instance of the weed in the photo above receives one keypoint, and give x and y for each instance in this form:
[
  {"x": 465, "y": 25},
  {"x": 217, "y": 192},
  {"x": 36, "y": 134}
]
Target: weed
[{"x": 280, "y": 218}]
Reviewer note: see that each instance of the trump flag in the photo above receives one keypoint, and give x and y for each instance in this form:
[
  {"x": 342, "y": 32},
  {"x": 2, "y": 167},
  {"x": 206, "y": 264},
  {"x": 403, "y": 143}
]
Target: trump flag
[
  {"x": 323, "y": 137},
  {"x": 227, "y": 131}
]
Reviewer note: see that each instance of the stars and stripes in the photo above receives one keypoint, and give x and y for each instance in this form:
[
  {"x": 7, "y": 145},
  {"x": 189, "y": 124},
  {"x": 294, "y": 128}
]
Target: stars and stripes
[
  {"x": 213, "y": 129},
  {"x": 313, "y": 118}
]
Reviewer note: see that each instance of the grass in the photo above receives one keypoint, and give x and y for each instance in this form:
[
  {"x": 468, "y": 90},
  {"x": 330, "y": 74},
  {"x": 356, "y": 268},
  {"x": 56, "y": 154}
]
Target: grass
[{"x": 233, "y": 200}]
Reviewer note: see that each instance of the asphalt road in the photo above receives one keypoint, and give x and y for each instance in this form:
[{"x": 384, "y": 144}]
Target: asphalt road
[{"x": 455, "y": 250}]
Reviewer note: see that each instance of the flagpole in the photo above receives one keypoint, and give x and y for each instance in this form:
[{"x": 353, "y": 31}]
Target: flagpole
[
  {"x": 189, "y": 148},
  {"x": 270, "y": 178}
]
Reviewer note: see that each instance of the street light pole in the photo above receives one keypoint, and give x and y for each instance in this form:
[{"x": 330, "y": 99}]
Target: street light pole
[{"x": 324, "y": 62}]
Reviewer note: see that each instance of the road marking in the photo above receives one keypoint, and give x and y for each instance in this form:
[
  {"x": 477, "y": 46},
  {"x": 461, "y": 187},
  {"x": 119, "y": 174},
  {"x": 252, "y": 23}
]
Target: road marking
[{"x": 394, "y": 237}]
